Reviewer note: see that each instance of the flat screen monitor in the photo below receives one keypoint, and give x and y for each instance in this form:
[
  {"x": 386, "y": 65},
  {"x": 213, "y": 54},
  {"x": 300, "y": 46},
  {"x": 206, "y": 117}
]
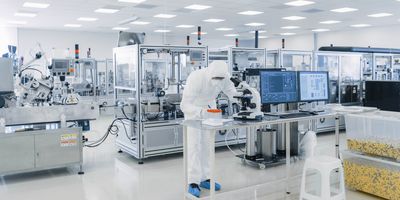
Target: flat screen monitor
[
  {"x": 278, "y": 87},
  {"x": 384, "y": 95},
  {"x": 314, "y": 86}
]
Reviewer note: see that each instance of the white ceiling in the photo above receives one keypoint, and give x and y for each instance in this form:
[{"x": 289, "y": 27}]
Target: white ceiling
[{"x": 62, "y": 12}]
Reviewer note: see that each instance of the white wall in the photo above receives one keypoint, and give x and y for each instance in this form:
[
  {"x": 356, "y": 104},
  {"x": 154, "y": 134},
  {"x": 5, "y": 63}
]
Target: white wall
[
  {"x": 8, "y": 36},
  {"x": 385, "y": 37}
]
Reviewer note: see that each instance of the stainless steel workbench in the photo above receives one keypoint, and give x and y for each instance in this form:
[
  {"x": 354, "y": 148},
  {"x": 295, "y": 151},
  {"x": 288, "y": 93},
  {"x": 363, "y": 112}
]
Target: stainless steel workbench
[{"x": 205, "y": 129}]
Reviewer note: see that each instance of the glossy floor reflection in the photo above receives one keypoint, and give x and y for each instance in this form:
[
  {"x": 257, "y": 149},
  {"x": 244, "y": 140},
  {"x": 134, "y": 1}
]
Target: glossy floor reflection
[{"x": 113, "y": 176}]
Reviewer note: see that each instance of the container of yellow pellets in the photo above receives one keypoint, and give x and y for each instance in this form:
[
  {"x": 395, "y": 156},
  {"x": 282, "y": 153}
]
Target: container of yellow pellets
[
  {"x": 373, "y": 175},
  {"x": 375, "y": 133}
]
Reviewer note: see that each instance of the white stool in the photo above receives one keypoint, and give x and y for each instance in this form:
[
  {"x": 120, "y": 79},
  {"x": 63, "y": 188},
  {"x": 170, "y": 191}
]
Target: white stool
[{"x": 325, "y": 165}]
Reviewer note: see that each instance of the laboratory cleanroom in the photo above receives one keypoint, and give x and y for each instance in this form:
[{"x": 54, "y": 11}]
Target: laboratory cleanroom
[{"x": 199, "y": 99}]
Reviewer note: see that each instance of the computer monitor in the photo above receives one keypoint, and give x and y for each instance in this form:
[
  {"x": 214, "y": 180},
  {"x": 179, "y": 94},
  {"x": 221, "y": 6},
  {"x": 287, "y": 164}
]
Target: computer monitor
[
  {"x": 384, "y": 95},
  {"x": 314, "y": 86},
  {"x": 278, "y": 87}
]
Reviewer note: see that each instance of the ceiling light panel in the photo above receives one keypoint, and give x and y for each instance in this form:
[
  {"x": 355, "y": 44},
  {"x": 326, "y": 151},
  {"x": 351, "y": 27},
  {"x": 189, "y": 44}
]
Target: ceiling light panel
[
  {"x": 287, "y": 34},
  {"x": 87, "y": 19},
  {"x": 197, "y": 7},
  {"x": 376, "y": 15},
  {"x": 162, "y": 31},
  {"x": 202, "y": 33},
  {"x": 299, "y": 3},
  {"x": 106, "y": 10},
  {"x": 73, "y": 25},
  {"x": 255, "y": 24},
  {"x": 293, "y": 18},
  {"x": 260, "y": 31},
  {"x": 360, "y": 25},
  {"x": 132, "y": 1},
  {"x": 224, "y": 29},
  {"x": 330, "y": 22},
  {"x": 165, "y": 16},
  {"x": 344, "y": 10},
  {"x": 262, "y": 37},
  {"x": 320, "y": 30},
  {"x": 232, "y": 35},
  {"x": 120, "y": 28},
  {"x": 250, "y": 12},
  {"x": 185, "y": 26},
  {"x": 17, "y": 22},
  {"x": 35, "y": 5},
  {"x": 214, "y": 20},
  {"x": 290, "y": 27},
  {"x": 25, "y": 14},
  {"x": 140, "y": 23}
]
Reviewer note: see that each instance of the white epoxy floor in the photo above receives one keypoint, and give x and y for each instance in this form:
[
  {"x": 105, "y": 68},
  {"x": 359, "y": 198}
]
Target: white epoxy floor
[{"x": 113, "y": 176}]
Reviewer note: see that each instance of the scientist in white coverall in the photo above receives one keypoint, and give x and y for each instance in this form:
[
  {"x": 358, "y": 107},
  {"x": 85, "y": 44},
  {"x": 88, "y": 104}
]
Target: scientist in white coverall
[{"x": 202, "y": 88}]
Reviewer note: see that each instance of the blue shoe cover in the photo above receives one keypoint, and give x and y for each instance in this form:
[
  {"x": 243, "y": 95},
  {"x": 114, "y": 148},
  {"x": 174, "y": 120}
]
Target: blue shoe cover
[
  {"x": 206, "y": 184},
  {"x": 194, "y": 190}
]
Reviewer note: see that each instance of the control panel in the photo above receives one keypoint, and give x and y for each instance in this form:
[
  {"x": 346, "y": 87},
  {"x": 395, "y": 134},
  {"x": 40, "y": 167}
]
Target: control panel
[{"x": 62, "y": 67}]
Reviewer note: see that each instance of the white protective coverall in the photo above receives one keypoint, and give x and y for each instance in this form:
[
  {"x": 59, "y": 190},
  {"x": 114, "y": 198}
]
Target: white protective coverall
[{"x": 199, "y": 94}]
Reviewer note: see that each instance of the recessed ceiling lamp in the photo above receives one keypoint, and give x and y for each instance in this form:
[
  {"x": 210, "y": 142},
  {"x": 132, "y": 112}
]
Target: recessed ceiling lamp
[
  {"x": 288, "y": 34},
  {"x": 162, "y": 31},
  {"x": 294, "y": 18},
  {"x": 165, "y": 16},
  {"x": 140, "y": 23},
  {"x": 35, "y": 5},
  {"x": 344, "y": 10},
  {"x": 360, "y": 25},
  {"x": 290, "y": 27},
  {"x": 106, "y": 10},
  {"x": 120, "y": 28},
  {"x": 320, "y": 30},
  {"x": 250, "y": 12},
  {"x": 231, "y": 35},
  {"x": 185, "y": 26},
  {"x": 376, "y": 15},
  {"x": 87, "y": 19},
  {"x": 197, "y": 7},
  {"x": 213, "y": 20},
  {"x": 299, "y": 3},
  {"x": 330, "y": 22},
  {"x": 255, "y": 24},
  {"x": 25, "y": 14},
  {"x": 224, "y": 29}
]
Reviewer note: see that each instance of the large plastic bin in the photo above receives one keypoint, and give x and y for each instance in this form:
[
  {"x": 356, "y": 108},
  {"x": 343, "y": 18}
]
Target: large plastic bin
[
  {"x": 375, "y": 133},
  {"x": 372, "y": 175}
]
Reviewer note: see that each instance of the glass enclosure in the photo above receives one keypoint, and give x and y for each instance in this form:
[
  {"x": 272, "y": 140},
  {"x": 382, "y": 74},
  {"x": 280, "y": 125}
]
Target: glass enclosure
[
  {"x": 345, "y": 80},
  {"x": 290, "y": 60}
]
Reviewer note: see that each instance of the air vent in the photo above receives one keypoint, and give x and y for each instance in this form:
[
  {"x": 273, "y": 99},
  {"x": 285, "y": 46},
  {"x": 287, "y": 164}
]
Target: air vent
[
  {"x": 312, "y": 10},
  {"x": 145, "y": 6}
]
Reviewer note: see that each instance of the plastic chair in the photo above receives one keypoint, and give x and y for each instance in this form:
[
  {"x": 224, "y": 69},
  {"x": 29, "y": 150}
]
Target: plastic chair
[{"x": 325, "y": 165}]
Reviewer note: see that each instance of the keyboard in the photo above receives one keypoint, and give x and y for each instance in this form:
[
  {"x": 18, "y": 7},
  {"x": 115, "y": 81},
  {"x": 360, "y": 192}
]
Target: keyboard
[{"x": 294, "y": 115}]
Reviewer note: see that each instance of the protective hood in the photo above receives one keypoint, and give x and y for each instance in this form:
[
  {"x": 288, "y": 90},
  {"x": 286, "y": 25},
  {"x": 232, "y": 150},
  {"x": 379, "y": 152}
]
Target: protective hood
[{"x": 217, "y": 69}]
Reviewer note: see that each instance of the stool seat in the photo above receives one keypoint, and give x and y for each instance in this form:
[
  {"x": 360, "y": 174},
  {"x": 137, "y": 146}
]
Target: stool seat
[{"x": 324, "y": 165}]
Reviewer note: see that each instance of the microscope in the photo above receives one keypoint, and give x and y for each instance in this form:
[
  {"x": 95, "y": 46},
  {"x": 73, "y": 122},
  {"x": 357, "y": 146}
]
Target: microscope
[{"x": 250, "y": 101}]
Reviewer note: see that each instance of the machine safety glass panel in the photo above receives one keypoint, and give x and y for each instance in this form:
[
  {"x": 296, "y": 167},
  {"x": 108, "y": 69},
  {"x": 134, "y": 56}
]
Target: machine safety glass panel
[
  {"x": 297, "y": 61},
  {"x": 243, "y": 59},
  {"x": 330, "y": 63},
  {"x": 350, "y": 76},
  {"x": 126, "y": 64},
  {"x": 383, "y": 65}
]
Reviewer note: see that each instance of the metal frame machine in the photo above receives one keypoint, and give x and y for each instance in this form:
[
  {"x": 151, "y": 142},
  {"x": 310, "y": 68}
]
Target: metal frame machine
[{"x": 149, "y": 81}]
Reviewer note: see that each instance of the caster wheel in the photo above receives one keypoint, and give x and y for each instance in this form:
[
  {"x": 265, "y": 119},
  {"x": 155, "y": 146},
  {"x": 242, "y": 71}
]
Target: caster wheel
[
  {"x": 120, "y": 151},
  {"x": 261, "y": 166},
  {"x": 81, "y": 173},
  {"x": 140, "y": 162}
]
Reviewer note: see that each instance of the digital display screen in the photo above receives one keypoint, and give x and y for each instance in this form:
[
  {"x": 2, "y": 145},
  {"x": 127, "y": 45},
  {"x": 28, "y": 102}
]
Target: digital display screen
[
  {"x": 313, "y": 86},
  {"x": 278, "y": 87},
  {"x": 61, "y": 64},
  {"x": 196, "y": 56}
]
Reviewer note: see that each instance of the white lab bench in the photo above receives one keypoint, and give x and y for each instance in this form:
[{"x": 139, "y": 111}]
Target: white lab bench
[{"x": 248, "y": 125}]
